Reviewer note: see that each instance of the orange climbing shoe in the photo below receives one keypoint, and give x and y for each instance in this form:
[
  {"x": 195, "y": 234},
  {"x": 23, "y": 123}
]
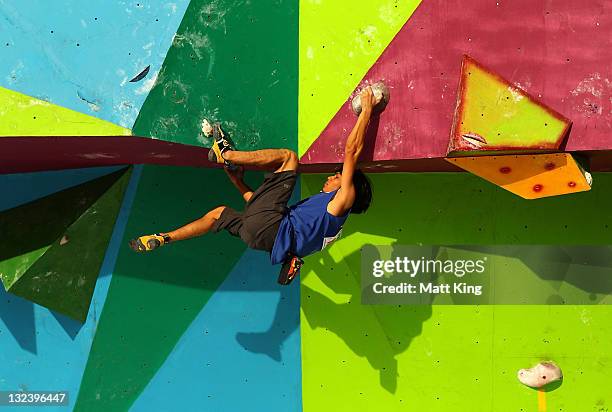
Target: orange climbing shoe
[
  {"x": 290, "y": 270},
  {"x": 221, "y": 144},
  {"x": 149, "y": 242}
]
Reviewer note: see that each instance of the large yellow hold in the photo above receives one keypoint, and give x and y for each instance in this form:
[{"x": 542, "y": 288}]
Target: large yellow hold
[
  {"x": 492, "y": 114},
  {"x": 531, "y": 176}
]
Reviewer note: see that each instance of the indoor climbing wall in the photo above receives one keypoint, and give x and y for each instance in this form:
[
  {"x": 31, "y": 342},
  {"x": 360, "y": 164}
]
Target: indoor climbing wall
[{"x": 100, "y": 142}]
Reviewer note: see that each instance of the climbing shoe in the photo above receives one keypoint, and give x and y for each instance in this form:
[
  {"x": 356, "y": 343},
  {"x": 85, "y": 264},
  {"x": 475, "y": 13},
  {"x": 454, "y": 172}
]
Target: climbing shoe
[
  {"x": 221, "y": 144},
  {"x": 149, "y": 242},
  {"x": 290, "y": 269}
]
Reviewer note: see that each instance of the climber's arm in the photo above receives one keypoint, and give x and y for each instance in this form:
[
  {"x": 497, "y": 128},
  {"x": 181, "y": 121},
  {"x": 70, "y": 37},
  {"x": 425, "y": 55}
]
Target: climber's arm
[
  {"x": 354, "y": 146},
  {"x": 237, "y": 176}
]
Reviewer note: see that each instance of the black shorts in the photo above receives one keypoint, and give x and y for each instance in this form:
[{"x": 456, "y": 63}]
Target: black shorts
[{"x": 258, "y": 224}]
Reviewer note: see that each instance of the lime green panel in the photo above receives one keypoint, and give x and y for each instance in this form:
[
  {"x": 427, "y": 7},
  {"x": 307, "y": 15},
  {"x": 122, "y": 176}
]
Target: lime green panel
[
  {"x": 504, "y": 115},
  {"x": 22, "y": 115},
  {"x": 338, "y": 44},
  {"x": 63, "y": 279},
  {"x": 154, "y": 297},
  {"x": 450, "y": 358},
  {"x": 12, "y": 268}
]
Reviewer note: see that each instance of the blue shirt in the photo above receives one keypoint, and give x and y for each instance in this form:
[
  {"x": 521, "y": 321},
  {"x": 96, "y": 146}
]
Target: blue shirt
[{"x": 307, "y": 228}]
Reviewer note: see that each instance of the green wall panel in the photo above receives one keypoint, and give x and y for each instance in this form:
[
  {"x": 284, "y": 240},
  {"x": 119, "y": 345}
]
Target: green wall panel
[
  {"x": 154, "y": 297},
  {"x": 52, "y": 248},
  {"x": 443, "y": 358},
  {"x": 230, "y": 61}
]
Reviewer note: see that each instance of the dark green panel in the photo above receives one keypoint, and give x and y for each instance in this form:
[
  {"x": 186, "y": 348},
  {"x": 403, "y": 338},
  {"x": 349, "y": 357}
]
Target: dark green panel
[
  {"x": 154, "y": 297},
  {"x": 33, "y": 263},
  {"x": 64, "y": 277},
  {"x": 231, "y": 61}
]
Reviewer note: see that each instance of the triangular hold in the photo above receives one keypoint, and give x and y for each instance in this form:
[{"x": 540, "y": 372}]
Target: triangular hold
[
  {"x": 530, "y": 176},
  {"x": 51, "y": 249},
  {"x": 22, "y": 115},
  {"x": 494, "y": 115},
  {"x": 422, "y": 63}
]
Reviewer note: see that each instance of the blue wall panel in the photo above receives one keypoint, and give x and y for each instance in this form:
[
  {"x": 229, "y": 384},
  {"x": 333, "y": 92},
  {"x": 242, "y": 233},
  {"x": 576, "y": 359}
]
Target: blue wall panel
[
  {"x": 242, "y": 352},
  {"x": 82, "y": 54},
  {"x": 39, "y": 349}
]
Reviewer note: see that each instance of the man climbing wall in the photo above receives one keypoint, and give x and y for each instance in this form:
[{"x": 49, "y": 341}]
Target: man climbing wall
[{"x": 266, "y": 223}]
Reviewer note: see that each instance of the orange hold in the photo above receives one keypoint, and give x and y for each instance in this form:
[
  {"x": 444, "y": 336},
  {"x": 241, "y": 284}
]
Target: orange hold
[{"x": 530, "y": 176}]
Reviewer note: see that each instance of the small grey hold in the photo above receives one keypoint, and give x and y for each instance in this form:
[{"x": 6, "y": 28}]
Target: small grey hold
[
  {"x": 141, "y": 75},
  {"x": 212, "y": 157},
  {"x": 64, "y": 240}
]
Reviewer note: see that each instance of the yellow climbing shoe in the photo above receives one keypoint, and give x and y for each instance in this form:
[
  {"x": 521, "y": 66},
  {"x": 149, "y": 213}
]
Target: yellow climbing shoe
[
  {"x": 149, "y": 242},
  {"x": 221, "y": 144}
]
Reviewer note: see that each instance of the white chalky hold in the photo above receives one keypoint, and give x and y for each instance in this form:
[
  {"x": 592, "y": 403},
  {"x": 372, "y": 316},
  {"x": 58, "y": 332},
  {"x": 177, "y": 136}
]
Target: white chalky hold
[
  {"x": 207, "y": 128},
  {"x": 589, "y": 178},
  {"x": 540, "y": 375}
]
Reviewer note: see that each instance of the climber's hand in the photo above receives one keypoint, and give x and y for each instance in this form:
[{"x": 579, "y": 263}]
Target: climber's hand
[{"x": 368, "y": 100}]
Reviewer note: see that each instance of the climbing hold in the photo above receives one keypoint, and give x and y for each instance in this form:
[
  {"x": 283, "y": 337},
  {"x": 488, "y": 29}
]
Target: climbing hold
[
  {"x": 380, "y": 91},
  {"x": 207, "y": 128},
  {"x": 212, "y": 157},
  {"x": 72, "y": 230},
  {"x": 540, "y": 375},
  {"x": 530, "y": 176},
  {"x": 493, "y": 114},
  {"x": 474, "y": 140},
  {"x": 141, "y": 75},
  {"x": 588, "y": 177}
]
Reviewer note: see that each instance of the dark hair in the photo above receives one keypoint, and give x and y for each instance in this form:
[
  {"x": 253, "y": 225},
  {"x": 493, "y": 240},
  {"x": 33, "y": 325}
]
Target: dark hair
[{"x": 363, "y": 191}]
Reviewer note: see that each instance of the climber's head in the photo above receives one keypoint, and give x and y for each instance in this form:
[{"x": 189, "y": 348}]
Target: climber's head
[{"x": 363, "y": 189}]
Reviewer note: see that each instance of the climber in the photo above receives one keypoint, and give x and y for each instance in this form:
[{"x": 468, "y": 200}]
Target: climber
[{"x": 288, "y": 233}]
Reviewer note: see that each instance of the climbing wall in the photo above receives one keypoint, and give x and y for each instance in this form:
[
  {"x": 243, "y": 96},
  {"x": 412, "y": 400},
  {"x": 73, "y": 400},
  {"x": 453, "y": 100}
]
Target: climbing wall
[
  {"x": 92, "y": 91},
  {"x": 174, "y": 299},
  {"x": 230, "y": 61},
  {"x": 563, "y": 68},
  {"x": 441, "y": 358},
  {"x": 211, "y": 300}
]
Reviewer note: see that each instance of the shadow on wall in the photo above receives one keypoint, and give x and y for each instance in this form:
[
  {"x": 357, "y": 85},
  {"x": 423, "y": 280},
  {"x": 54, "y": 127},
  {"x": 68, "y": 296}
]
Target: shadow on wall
[
  {"x": 585, "y": 267},
  {"x": 17, "y": 314},
  {"x": 434, "y": 209},
  {"x": 378, "y": 333},
  {"x": 270, "y": 342},
  {"x": 439, "y": 209}
]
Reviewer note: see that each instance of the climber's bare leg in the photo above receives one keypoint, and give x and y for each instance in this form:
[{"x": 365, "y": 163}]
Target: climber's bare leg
[
  {"x": 283, "y": 159},
  {"x": 198, "y": 227}
]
